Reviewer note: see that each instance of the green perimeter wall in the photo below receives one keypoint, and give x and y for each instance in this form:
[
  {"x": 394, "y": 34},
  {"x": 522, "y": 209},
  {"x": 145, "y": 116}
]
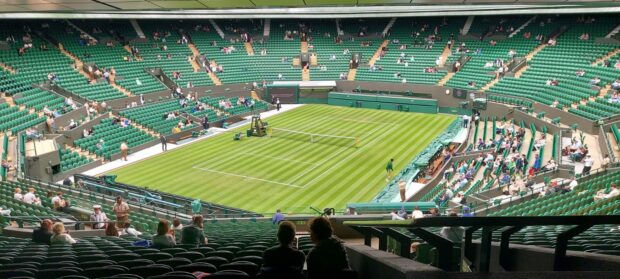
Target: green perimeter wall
[{"x": 383, "y": 102}]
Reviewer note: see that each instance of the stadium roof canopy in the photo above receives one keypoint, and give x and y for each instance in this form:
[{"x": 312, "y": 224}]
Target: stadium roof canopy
[{"x": 291, "y": 8}]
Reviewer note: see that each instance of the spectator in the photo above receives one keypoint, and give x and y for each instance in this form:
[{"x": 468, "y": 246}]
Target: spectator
[
  {"x": 606, "y": 162},
  {"x": 467, "y": 211},
  {"x": 283, "y": 259},
  {"x": 454, "y": 234},
  {"x": 98, "y": 218},
  {"x": 5, "y": 212},
  {"x": 573, "y": 184},
  {"x": 328, "y": 255},
  {"x": 59, "y": 203},
  {"x": 278, "y": 217},
  {"x": 601, "y": 195},
  {"x": 194, "y": 233},
  {"x": 60, "y": 236},
  {"x": 18, "y": 194},
  {"x": 417, "y": 213},
  {"x": 121, "y": 210},
  {"x": 395, "y": 216},
  {"x": 124, "y": 150},
  {"x": 111, "y": 230},
  {"x": 402, "y": 186},
  {"x": 587, "y": 165},
  {"x": 128, "y": 230},
  {"x": 165, "y": 235},
  {"x": 67, "y": 182},
  {"x": 176, "y": 224},
  {"x": 44, "y": 233}
]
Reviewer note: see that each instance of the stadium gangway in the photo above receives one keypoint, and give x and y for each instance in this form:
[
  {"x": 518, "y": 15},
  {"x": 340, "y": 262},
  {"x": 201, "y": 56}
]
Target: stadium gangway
[
  {"x": 513, "y": 224},
  {"x": 175, "y": 199},
  {"x": 147, "y": 198}
]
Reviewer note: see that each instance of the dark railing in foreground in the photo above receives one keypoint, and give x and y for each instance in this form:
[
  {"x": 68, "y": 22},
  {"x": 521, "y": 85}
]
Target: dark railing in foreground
[{"x": 511, "y": 225}]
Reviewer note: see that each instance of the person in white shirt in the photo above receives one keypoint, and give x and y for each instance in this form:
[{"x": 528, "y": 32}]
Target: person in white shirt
[
  {"x": 587, "y": 165},
  {"x": 573, "y": 184},
  {"x": 395, "y": 216},
  {"x": 61, "y": 236},
  {"x": 98, "y": 217},
  {"x": 417, "y": 213},
  {"x": 5, "y": 212},
  {"x": 31, "y": 198},
  {"x": 128, "y": 230},
  {"x": 613, "y": 192},
  {"x": 454, "y": 234},
  {"x": 18, "y": 194}
]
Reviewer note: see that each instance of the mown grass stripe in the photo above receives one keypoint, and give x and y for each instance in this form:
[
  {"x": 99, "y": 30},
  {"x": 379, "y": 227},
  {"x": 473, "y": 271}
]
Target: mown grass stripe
[{"x": 358, "y": 177}]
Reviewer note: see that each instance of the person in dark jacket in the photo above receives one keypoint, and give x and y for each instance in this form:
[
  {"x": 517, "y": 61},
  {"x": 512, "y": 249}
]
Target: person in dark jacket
[
  {"x": 284, "y": 259},
  {"x": 194, "y": 233},
  {"x": 44, "y": 233},
  {"x": 328, "y": 257}
]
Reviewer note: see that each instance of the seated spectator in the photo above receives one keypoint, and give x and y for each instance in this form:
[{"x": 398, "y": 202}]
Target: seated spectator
[
  {"x": 395, "y": 216},
  {"x": 328, "y": 255},
  {"x": 43, "y": 234},
  {"x": 284, "y": 258},
  {"x": 595, "y": 81},
  {"x": 551, "y": 165},
  {"x": 60, "y": 236},
  {"x": 194, "y": 233},
  {"x": 176, "y": 224},
  {"x": 165, "y": 236},
  {"x": 98, "y": 218},
  {"x": 417, "y": 213},
  {"x": 111, "y": 230},
  {"x": 616, "y": 84},
  {"x": 580, "y": 73},
  {"x": 128, "y": 230},
  {"x": 18, "y": 194},
  {"x": 454, "y": 234},
  {"x": 33, "y": 134},
  {"x": 5, "y": 212},
  {"x": 602, "y": 195},
  {"x": 59, "y": 203},
  {"x": 467, "y": 212},
  {"x": 555, "y": 104}
]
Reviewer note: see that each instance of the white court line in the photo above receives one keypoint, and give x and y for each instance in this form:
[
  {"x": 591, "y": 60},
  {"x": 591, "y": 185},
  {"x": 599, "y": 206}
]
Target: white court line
[
  {"x": 357, "y": 120},
  {"x": 347, "y": 157},
  {"x": 278, "y": 158},
  {"x": 248, "y": 177},
  {"x": 334, "y": 155}
]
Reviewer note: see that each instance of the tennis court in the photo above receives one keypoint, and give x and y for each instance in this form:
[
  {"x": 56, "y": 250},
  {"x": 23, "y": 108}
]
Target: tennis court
[{"x": 318, "y": 155}]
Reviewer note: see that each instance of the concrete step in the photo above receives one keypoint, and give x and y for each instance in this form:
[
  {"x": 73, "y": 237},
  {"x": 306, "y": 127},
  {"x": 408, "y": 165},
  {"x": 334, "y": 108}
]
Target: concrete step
[{"x": 136, "y": 26}]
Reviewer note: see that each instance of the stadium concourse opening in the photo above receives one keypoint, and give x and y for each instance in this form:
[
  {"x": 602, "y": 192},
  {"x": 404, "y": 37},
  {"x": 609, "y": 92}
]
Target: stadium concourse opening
[{"x": 173, "y": 139}]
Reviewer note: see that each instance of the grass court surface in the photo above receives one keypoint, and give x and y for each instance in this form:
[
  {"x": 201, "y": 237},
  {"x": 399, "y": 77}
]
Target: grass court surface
[{"x": 291, "y": 172}]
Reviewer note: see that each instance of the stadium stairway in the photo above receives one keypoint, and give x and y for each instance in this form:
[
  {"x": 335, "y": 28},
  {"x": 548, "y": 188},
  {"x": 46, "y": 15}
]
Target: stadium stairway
[
  {"x": 377, "y": 54},
  {"x": 606, "y": 57},
  {"x": 445, "y": 79},
  {"x": 446, "y": 53},
  {"x": 196, "y": 53},
  {"x": 119, "y": 87},
  {"x": 522, "y": 27},
  {"x": 249, "y": 49},
  {"x": 78, "y": 63},
  {"x": 490, "y": 84},
  {"x": 351, "y": 74},
  {"x": 7, "y": 68}
]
